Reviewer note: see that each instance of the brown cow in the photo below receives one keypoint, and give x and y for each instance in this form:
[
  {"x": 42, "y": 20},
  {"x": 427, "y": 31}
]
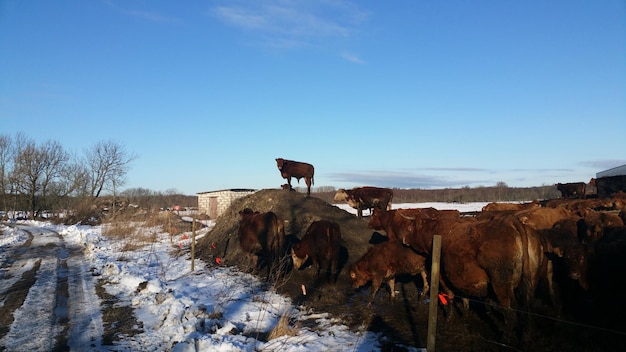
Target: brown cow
[
  {"x": 398, "y": 222},
  {"x": 544, "y": 218},
  {"x": 297, "y": 169},
  {"x": 495, "y": 206},
  {"x": 261, "y": 236},
  {"x": 365, "y": 198},
  {"x": 383, "y": 263},
  {"x": 572, "y": 190},
  {"x": 321, "y": 243},
  {"x": 501, "y": 254}
]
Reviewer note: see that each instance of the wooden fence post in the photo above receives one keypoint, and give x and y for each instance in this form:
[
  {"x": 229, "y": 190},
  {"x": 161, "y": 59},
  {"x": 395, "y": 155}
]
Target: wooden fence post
[
  {"x": 434, "y": 294},
  {"x": 193, "y": 243}
]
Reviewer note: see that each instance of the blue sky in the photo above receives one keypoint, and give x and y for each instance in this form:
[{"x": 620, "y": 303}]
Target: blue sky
[{"x": 408, "y": 94}]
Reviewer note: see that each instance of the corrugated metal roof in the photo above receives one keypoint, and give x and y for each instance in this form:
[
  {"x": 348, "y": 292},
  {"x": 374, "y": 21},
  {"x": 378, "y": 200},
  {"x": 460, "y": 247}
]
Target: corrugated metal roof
[
  {"x": 231, "y": 189},
  {"x": 616, "y": 171}
]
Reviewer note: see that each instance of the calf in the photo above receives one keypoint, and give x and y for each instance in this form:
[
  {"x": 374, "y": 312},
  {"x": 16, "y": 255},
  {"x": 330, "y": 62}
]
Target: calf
[
  {"x": 321, "y": 243},
  {"x": 261, "y": 236},
  {"x": 383, "y": 262}
]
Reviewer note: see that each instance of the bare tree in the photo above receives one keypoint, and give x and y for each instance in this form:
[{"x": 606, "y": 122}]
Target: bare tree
[
  {"x": 36, "y": 168},
  {"x": 108, "y": 162},
  {"x": 6, "y": 157}
]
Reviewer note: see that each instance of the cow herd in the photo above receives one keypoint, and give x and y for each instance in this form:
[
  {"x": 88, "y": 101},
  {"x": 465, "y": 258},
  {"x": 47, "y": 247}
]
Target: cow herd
[{"x": 509, "y": 254}]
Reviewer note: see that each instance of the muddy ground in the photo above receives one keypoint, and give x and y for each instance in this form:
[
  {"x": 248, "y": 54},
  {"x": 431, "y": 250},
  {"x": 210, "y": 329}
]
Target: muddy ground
[{"x": 592, "y": 321}]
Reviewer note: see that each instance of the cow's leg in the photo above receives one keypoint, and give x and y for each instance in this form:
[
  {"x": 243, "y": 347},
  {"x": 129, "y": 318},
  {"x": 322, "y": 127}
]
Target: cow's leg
[
  {"x": 505, "y": 297},
  {"x": 376, "y": 283},
  {"x": 359, "y": 213},
  {"x": 392, "y": 289},
  {"x": 425, "y": 287},
  {"x": 308, "y": 185}
]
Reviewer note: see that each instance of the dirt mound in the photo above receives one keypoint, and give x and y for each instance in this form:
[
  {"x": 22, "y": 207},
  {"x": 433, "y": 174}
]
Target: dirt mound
[{"x": 296, "y": 210}]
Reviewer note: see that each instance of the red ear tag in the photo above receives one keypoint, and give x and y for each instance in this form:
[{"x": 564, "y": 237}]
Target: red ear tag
[{"x": 443, "y": 299}]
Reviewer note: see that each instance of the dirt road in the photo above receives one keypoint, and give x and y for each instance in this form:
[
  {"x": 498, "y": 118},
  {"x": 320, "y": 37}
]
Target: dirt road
[{"x": 48, "y": 298}]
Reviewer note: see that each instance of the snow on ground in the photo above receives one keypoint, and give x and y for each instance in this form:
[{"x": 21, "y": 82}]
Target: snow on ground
[{"x": 209, "y": 309}]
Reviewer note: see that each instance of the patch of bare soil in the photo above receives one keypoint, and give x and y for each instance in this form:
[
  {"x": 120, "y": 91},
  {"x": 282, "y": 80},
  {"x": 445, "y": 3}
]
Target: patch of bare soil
[
  {"x": 118, "y": 320},
  {"x": 404, "y": 322}
]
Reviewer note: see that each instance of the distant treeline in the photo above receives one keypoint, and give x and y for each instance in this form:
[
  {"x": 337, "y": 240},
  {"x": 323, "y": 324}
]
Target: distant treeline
[
  {"x": 148, "y": 199},
  {"x": 498, "y": 193}
]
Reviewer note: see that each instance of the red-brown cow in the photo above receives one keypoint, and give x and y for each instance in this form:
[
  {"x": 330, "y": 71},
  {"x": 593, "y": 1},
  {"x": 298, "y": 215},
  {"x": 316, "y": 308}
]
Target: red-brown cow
[
  {"x": 394, "y": 222},
  {"x": 321, "y": 243},
  {"x": 572, "y": 190},
  {"x": 365, "y": 198},
  {"x": 383, "y": 263},
  {"x": 297, "y": 169},
  {"x": 261, "y": 236},
  {"x": 398, "y": 222},
  {"x": 501, "y": 253},
  {"x": 496, "y": 206}
]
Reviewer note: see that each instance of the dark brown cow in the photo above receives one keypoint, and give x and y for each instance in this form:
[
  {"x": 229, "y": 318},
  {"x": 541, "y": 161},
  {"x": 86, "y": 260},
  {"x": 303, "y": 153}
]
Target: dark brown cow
[
  {"x": 261, "y": 236},
  {"x": 594, "y": 224},
  {"x": 321, "y": 243},
  {"x": 365, "y": 198},
  {"x": 297, "y": 169},
  {"x": 572, "y": 190},
  {"x": 501, "y": 254},
  {"x": 383, "y": 263}
]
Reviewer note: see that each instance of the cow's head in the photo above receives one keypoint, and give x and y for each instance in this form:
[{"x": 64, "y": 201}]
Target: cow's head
[
  {"x": 297, "y": 260},
  {"x": 279, "y": 163},
  {"x": 359, "y": 274},
  {"x": 375, "y": 220},
  {"x": 247, "y": 212},
  {"x": 341, "y": 195}
]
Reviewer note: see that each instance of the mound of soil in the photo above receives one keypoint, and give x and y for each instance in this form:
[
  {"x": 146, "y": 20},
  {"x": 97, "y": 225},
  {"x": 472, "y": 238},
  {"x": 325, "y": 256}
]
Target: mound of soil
[{"x": 404, "y": 322}]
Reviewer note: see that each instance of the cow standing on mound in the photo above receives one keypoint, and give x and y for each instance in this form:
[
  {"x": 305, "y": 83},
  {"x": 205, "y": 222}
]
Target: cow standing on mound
[
  {"x": 321, "y": 243},
  {"x": 297, "y": 169},
  {"x": 383, "y": 263},
  {"x": 262, "y": 236},
  {"x": 365, "y": 198}
]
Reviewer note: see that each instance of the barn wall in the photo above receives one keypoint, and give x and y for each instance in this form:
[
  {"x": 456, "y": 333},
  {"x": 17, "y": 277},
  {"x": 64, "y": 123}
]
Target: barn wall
[
  {"x": 223, "y": 198},
  {"x": 607, "y": 186}
]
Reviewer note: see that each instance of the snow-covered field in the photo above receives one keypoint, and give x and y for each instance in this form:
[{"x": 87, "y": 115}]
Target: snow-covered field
[{"x": 209, "y": 309}]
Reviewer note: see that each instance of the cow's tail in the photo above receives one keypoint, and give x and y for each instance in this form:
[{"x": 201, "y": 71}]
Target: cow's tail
[{"x": 526, "y": 284}]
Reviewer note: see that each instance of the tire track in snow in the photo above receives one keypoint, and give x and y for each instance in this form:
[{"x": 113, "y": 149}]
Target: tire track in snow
[
  {"x": 86, "y": 327},
  {"x": 34, "y": 326}
]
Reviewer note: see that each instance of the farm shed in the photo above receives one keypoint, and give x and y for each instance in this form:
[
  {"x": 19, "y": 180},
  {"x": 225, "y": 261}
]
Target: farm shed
[
  {"x": 215, "y": 202},
  {"x": 611, "y": 181}
]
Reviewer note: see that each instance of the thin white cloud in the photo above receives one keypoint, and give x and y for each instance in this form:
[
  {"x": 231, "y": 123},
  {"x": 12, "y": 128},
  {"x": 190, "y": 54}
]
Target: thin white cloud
[
  {"x": 352, "y": 58},
  {"x": 303, "y": 22},
  {"x": 144, "y": 14}
]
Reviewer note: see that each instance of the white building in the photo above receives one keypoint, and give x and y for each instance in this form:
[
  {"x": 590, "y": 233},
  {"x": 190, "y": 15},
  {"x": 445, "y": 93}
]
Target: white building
[{"x": 215, "y": 202}]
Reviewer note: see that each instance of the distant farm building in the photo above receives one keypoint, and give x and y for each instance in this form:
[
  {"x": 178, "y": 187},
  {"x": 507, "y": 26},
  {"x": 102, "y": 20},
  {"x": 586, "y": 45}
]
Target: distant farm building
[
  {"x": 611, "y": 181},
  {"x": 214, "y": 203}
]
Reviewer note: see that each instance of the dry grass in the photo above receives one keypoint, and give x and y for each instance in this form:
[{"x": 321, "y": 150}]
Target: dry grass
[
  {"x": 130, "y": 234},
  {"x": 282, "y": 328}
]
